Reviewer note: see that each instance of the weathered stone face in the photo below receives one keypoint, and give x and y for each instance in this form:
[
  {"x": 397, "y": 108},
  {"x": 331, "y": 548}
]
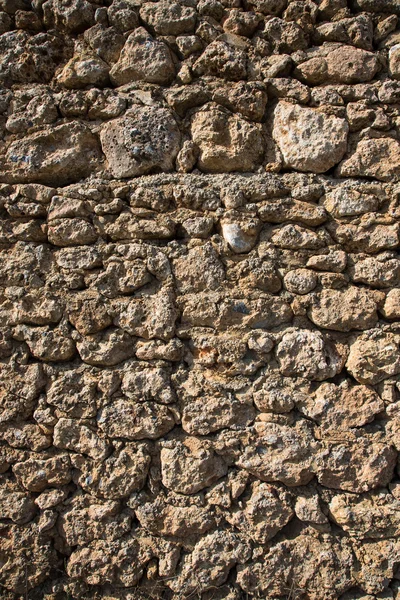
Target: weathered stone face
[
  {"x": 308, "y": 139},
  {"x": 199, "y": 299},
  {"x": 146, "y": 140}
]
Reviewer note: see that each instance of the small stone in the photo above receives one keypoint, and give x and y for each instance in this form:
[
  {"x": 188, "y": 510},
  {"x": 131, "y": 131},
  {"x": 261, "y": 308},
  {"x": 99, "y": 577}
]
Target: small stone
[
  {"x": 339, "y": 64},
  {"x": 300, "y": 281},
  {"x": 106, "y": 348},
  {"x": 394, "y": 61},
  {"x": 69, "y": 434},
  {"x": 309, "y": 140},
  {"x": 391, "y": 308},
  {"x": 265, "y": 510},
  {"x": 37, "y": 475},
  {"x": 348, "y": 202}
]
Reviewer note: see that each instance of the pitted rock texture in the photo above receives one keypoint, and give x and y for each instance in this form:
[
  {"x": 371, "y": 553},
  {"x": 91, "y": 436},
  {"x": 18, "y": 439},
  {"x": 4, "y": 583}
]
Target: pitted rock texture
[{"x": 199, "y": 299}]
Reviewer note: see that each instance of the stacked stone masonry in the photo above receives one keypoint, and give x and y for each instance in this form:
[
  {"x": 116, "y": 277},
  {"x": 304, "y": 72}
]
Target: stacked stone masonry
[{"x": 200, "y": 299}]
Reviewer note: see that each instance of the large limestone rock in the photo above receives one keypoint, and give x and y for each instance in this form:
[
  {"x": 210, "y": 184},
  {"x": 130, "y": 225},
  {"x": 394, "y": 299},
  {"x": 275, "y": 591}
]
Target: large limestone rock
[
  {"x": 144, "y": 140},
  {"x": 143, "y": 58},
  {"x": 308, "y": 354},
  {"x": 168, "y": 18},
  {"x": 309, "y": 140},
  {"x": 363, "y": 162},
  {"x": 338, "y": 64},
  {"x": 56, "y": 156},
  {"x": 353, "y": 308},
  {"x": 226, "y": 142},
  {"x": 190, "y": 466},
  {"x": 373, "y": 357}
]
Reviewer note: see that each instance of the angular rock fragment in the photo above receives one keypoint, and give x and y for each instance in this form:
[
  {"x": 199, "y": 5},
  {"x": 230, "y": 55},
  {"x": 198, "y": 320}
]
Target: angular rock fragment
[
  {"x": 308, "y": 139},
  {"x": 280, "y": 453},
  {"x": 69, "y": 434},
  {"x": 373, "y": 357},
  {"x": 308, "y": 354},
  {"x": 135, "y": 420},
  {"x": 266, "y": 510},
  {"x": 363, "y": 162},
  {"x": 57, "y": 156},
  {"x": 226, "y": 142},
  {"x": 143, "y": 140},
  {"x": 353, "y": 308},
  {"x": 36, "y": 475},
  {"x": 190, "y": 466},
  {"x": 168, "y": 18},
  {"x": 143, "y": 58},
  {"x": 210, "y": 562}
]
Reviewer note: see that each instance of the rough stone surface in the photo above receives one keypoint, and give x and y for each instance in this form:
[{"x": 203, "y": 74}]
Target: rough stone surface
[
  {"x": 308, "y": 139},
  {"x": 199, "y": 300}
]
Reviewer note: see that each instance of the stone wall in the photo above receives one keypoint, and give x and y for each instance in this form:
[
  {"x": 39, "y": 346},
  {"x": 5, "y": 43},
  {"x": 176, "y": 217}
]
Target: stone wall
[{"x": 200, "y": 299}]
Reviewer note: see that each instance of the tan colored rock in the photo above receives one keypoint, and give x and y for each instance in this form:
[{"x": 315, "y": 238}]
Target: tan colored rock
[
  {"x": 86, "y": 519},
  {"x": 294, "y": 237},
  {"x": 377, "y": 272},
  {"x": 17, "y": 573},
  {"x": 355, "y": 466},
  {"x": 348, "y": 202},
  {"x": 135, "y": 420},
  {"x": 322, "y": 565},
  {"x": 374, "y": 356},
  {"x": 223, "y": 59},
  {"x": 15, "y": 505},
  {"x": 162, "y": 518},
  {"x": 36, "y": 475},
  {"x": 394, "y": 61},
  {"x": 56, "y": 156},
  {"x": 106, "y": 348},
  {"x": 117, "y": 476},
  {"x": 391, "y": 308},
  {"x": 363, "y": 162},
  {"x": 280, "y": 453},
  {"x": 265, "y": 509},
  {"x": 309, "y": 139},
  {"x": 337, "y": 407},
  {"x": 168, "y": 17},
  {"x": 338, "y": 64},
  {"x": 226, "y": 142},
  {"x": 82, "y": 71},
  {"x": 308, "y": 354},
  {"x": 373, "y": 515},
  {"x": 143, "y": 58},
  {"x": 71, "y": 232},
  {"x": 148, "y": 318},
  {"x": 201, "y": 269},
  {"x": 210, "y": 562},
  {"x": 204, "y": 415},
  {"x": 352, "y": 308},
  {"x": 300, "y": 281},
  {"x": 49, "y": 345},
  {"x": 69, "y": 434},
  {"x": 144, "y": 139},
  {"x": 190, "y": 466}
]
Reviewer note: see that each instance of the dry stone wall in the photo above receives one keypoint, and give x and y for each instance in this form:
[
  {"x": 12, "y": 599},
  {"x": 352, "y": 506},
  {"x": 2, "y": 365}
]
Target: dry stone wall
[{"x": 200, "y": 299}]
